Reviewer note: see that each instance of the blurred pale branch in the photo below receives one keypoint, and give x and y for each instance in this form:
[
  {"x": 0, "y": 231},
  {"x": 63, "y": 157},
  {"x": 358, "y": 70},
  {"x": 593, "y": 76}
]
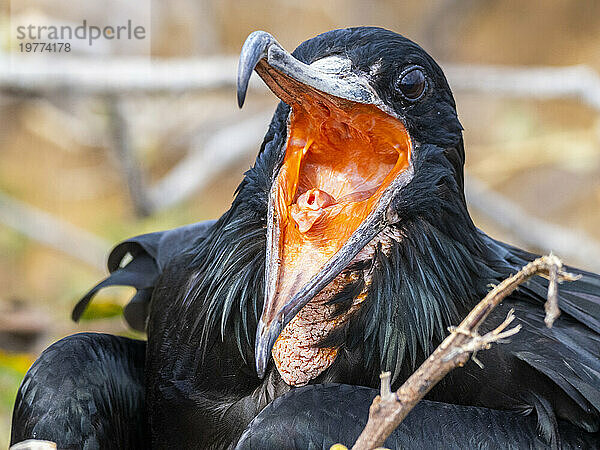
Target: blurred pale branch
[
  {"x": 545, "y": 83},
  {"x": 53, "y": 232},
  {"x": 534, "y": 232},
  {"x": 114, "y": 78},
  {"x": 207, "y": 159},
  {"x": 132, "y": 171}
]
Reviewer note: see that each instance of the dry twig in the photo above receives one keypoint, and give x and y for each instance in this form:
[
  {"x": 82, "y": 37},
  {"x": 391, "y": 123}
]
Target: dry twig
[{"x": 389, "y": 409}]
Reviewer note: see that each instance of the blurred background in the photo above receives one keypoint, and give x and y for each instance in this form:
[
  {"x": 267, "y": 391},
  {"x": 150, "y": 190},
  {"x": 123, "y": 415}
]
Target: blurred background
[{"x": 90, "y": 160}]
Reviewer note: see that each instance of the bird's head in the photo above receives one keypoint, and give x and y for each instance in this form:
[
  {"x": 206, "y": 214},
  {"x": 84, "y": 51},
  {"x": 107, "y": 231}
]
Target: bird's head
[{"x": 364, "y": 105}]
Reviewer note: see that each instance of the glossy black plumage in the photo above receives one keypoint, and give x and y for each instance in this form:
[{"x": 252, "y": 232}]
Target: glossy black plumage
[
  {"x": 429, "y": 267},
  {"x": 292, "y": 421},
  {"x": 149, "y": 254},
  {"x": 86, "y": 391}
]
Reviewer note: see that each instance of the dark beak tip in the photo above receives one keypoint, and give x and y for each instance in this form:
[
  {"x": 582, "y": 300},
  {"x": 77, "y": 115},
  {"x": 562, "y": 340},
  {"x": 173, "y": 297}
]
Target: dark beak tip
[
  {"x": 241, "y": 97},
  {"x": 260, "y": 371},
  {"x": 254, "y": 49},
  {"x": 266, "y": 335},
  {"x": 261, "y": 366}
]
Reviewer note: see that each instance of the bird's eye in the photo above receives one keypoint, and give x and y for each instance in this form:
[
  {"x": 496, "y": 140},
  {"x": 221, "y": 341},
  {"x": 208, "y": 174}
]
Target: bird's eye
[{"x": 412, "y": 84}]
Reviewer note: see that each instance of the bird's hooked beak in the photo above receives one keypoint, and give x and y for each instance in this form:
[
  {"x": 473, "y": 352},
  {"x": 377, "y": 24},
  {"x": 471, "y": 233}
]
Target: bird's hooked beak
[
  {"x": 261, "y": 52},
  {"x": 346, "y": 154}
]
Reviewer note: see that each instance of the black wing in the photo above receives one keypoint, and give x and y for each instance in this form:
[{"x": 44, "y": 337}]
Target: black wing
[
  {"x": 85, "y": 391},
  {"x": 556, "y": 369},
  {"x": 149, "y": 254},
  {"x": 319, "y": 416}
]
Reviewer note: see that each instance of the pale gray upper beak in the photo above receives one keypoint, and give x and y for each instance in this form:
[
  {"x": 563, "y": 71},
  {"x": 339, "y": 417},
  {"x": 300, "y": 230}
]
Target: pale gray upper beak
[{"x": 262, "y": 52}]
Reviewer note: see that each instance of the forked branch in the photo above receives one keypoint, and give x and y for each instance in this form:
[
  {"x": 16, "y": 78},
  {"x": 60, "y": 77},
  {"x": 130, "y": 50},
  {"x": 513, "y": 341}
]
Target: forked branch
[{"x": 390, "y": 408}]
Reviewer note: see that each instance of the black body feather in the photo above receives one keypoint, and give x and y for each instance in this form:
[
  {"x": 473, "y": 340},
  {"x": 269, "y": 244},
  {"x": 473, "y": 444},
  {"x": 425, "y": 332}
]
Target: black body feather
[
  {"x": 294, "y": 421},
  {"x": 148, "y": 254},
  {"x": 86, "y": 391}
]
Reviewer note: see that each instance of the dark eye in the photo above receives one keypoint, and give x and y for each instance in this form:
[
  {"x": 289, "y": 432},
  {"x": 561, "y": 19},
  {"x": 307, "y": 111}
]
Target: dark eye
[{"x": 412, "y": 83}]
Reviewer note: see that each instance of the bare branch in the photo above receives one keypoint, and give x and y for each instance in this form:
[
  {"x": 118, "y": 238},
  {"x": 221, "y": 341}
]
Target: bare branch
[
  {"x": 551, "y": 305},
  {"x": 49, "y": 230},
  {"x": 387, "y": 411},
  {"x": 126, "y": 157},
  {"x": 533, "y": 232},
  {"x": 226, "y": 147},
  {"x": 386, "y": 387},
  {"x": 119, "y": 76},
  {"x": 34, "y": 444},
  {"x": 545, "y": 83},
  {"x": 116, "y": 76}
]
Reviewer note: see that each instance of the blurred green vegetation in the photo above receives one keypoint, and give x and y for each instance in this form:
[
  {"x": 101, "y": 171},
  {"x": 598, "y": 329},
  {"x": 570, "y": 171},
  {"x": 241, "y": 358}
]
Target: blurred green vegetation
[
  {"x": 103, "y": 309},
  {"x": 13, "y": 367}
]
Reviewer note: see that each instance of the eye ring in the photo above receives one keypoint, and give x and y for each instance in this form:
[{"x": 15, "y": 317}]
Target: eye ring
[{"x": 412, "y": 83}]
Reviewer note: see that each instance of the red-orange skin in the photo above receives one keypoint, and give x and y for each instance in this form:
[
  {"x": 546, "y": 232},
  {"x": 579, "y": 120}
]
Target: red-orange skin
[{"x": 338, "y": 162}]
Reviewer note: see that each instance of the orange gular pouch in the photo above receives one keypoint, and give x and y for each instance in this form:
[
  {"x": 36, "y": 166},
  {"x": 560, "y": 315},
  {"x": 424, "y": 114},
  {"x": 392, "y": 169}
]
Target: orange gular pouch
[{"x": 340, "y": 158}]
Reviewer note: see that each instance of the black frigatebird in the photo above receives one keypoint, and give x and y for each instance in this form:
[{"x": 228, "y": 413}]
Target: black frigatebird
[{"x": 347, "y": 250}]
